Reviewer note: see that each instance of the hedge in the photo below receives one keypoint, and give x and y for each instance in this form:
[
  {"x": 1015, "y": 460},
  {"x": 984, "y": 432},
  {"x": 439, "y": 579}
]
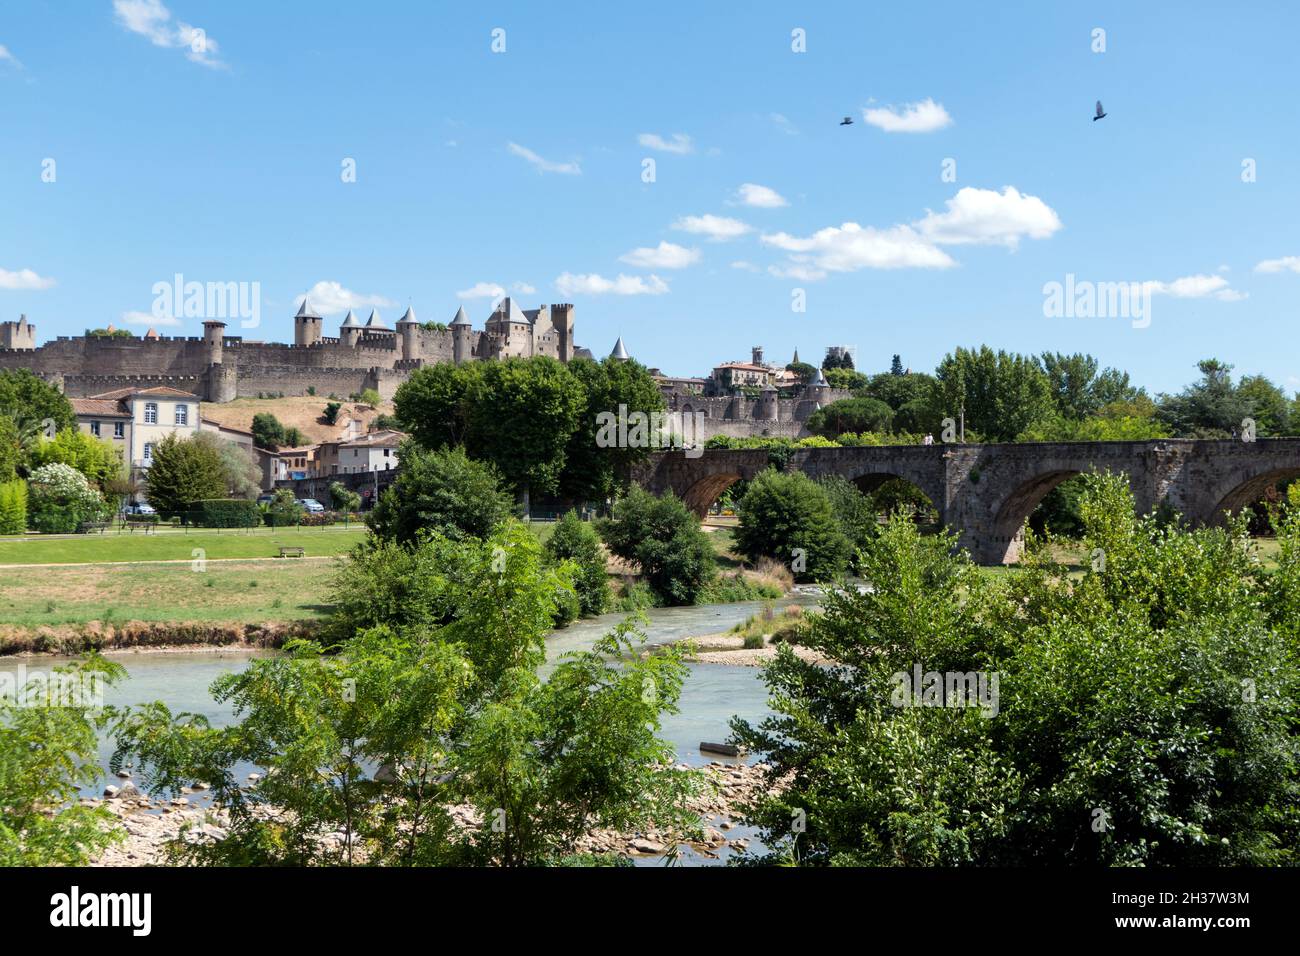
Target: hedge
[
  {"x": 13, "y": 507},
  {"x": 226, "y": 513}
]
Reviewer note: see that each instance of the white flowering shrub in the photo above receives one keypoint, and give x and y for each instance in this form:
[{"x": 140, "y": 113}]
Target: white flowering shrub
[{"x": 60, "y": 499}]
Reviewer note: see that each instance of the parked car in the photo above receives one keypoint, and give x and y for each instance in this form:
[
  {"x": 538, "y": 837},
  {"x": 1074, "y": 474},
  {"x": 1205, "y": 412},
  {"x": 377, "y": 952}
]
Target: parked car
[
  {"x": 311, "y": 504},
  {"x": 265, "y": 499},
  {"x": 140, "y": 508}
]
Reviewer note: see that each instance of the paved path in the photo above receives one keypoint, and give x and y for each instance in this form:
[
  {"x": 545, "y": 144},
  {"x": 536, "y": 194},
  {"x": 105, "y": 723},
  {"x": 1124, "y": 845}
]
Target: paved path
[{"x": 105, "y": 564}]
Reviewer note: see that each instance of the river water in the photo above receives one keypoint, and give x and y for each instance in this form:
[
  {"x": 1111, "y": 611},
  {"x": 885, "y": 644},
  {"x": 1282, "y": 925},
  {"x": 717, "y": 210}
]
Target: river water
[{"x": 711, "y": 696}]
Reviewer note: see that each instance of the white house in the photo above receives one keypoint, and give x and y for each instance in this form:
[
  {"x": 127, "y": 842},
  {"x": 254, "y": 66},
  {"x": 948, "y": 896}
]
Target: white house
[{"x": 137, "y": 419}]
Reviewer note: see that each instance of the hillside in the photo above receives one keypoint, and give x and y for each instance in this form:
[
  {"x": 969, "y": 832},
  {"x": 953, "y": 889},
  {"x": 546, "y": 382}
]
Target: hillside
[{"x": 304, "y": 412}]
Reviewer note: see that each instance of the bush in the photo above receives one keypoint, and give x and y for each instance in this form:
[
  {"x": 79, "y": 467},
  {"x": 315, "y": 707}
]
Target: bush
[
  {"x": 1158, "y": 690},
  {"x": 851, "y": 415},
  {"x": 663, "y": 538},
  {"x": 13, "y": 507},
  {"x": 443, "y": 491},
  {"x": 60, "y": 499},
  {"x": 283, "y": 509},
  {"x": 577, "y": 541},
  {"x": 226, "y": 513},
  {"x": 788, "y": 517},
  {"x": 343, "y": 498},
  {"x": 184, "y": 471},
  {"x": 318, "y": 519}
]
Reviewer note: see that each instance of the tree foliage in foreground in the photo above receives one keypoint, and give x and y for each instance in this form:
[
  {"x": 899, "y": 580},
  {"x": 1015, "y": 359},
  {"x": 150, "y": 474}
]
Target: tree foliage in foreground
[
  {"x": 788, "y": 517},
  {"x": 1146, "y": 712},
  {"x": 433, "y": 700},
  {"x": 664, "y": 540}
]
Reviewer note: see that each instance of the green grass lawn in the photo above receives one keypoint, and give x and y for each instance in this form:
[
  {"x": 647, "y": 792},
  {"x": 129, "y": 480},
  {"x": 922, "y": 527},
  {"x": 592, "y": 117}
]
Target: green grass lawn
[
  {"x": 175, "y": 545},
  {"x": 246, "y": 592}
]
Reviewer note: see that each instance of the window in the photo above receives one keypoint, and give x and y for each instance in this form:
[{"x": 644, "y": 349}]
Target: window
[
  {"x": 94, "y": 429},
  {"x": 150, "y": 414},
  {"x": 119, "y": 429},
  {"x": 148, "y": 451},
  {"x": 182, "y": 414}
]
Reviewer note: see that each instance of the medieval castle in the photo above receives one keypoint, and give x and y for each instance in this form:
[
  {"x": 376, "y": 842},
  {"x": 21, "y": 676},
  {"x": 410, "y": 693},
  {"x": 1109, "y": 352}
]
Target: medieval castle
[
  {"x": 738, "y": 398},
  {"x": 220, "y": 367}
]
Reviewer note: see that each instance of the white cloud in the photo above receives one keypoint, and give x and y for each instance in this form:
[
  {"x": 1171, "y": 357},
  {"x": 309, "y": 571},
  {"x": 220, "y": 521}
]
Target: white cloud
[
  {"x": 924, "y": 117},
  {"x": 666, "y": 255},
  {"x": 679, "y": 144},
  {"x": 745, "y": 266},
  {"x": 151, "y": 19},
  {"x": 544, "y": 165},
  {"x": 23, "y": 279},
  {"x": 1285, "y": 264},
  {"x": 752, "y": 194},
  {"x": 523, "y": 288},
  {"x": 328, "y": 298},
  {"x": 717, "y": 228},
  {"x": 7, "y": 57},
  {"x": 783, "y": 124},
  {"x": 149, "y": 319},
  {"x": 1196, "y": 287},
  {"x": 988, "y": 217},
  {"x": 849, "y": 247},
  {"x": 482, "y": 290},
  {"x": 797, "y": 270},
  {"x": 570, "y": 284}
]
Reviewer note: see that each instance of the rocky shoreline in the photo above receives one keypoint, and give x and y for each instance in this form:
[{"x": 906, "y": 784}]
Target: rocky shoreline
[{"x": 151, "y": 824}]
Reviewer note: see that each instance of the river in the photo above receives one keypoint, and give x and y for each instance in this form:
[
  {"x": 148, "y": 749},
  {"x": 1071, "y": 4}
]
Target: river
[{"x": 711, "y": 696}]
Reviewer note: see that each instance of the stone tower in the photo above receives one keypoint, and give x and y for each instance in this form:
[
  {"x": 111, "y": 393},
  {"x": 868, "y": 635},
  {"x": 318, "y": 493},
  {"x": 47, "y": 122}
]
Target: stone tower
[
  {"x": 757, "y": 353},
  {"x": 17, "y": 335},
  {"x": 409, "y": 329},
  {"x": 462, "y": 342},
  {"x": 768, "y": 409},
  {"x": 562, "y": 322},
  {"x": 306, "y": 325},
  {"x": 214, "y": 334},
  {"x": 350, "y": 330}
]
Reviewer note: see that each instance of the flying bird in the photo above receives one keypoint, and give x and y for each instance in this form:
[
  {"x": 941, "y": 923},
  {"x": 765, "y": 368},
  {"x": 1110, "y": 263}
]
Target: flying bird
[
  {"x": 1100, "y": 112},
  {"x": 847, "y": 121}
]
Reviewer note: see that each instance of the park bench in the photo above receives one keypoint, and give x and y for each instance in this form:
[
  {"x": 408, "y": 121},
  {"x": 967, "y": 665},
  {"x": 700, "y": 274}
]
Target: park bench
[
  {"x": 145, "y": 526},
  {"x": 89, "y": 526},
  {"x": 290, "y": 552}
]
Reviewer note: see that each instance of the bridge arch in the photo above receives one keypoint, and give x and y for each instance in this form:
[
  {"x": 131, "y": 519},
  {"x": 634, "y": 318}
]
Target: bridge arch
[
  {"x": 1005, "y": 540},
  {"x": 1239, "y": 489}
]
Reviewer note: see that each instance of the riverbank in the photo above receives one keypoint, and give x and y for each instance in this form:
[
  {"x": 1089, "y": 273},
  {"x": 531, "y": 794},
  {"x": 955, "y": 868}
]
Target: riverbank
[
  {"x": 154, "y": 637},
  {"x": 151, "y": 824},
  {"x": 729, "y": 649}
]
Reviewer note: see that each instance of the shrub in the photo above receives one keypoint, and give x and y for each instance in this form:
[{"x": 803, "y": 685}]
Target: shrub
[
  {"x": 443, "y": 491},
  {"x": 577, "y": 541},
  {"x": 13, "y": 507},
  {"x": 318, "y": 519},
  {"x": 663, "y": 538},
  {"x": 787, "y": 516},
  {"x": 60, "y": 500},
  {"x": 343, "y": 498},
  {"x": 283, "y": 509},
  {"x": 184, "y": 471},
  {"x": 226, "y": 513}
]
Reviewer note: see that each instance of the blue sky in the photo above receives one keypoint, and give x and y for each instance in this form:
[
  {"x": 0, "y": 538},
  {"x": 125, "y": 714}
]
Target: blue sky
[{"x": 523, "y": 169}]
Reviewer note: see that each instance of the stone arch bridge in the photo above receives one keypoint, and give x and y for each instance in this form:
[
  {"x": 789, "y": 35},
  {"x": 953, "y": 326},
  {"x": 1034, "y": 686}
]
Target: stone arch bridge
[{"x": 987, "y": 491}]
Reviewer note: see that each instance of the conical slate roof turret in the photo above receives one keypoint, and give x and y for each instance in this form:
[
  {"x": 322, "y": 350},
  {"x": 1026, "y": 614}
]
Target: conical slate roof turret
[
  {"x": 819, "y": 380},
  {"x": 407, "y": 316},
  {"x": 461, "y": 318},
  {"x": 305, "y": 310},
  {"x": 620, "y": 351},
  {"x": 351, "y": 321},
  {"x": 375, "y": 322}
]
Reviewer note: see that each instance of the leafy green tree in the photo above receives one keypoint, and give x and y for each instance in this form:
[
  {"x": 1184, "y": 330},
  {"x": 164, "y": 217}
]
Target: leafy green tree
[
  {"x": 897, "y": 390},
  {"x": 376, "y": 741},
  {"x": 1119, "y": 692},
  {"x": 13, "y": 507},
  {"x": 31, "y": 400},
  {"x": 1210, "y": 408},
  {"x": 183, "y": 471},
  {"x": 433, "y": 405},
  {"x": 283, "y": 508},
  {"x": 343, "y": 498},
  {"x": 845, "y": 378},
  {"x": 786, "y": 516},
  {"x": 591, "y": 472},
  {"x": 98, "y": 460},
  {"x": 1002, "y": 393},
  {"x": 663, "y": 538},
  {"x": 268, "y": 432},
  {"x": 855, "y": 513},
  {"x": 239, "y": 468},
  {"x": 805, "y": 371},
  {"x": 442, "y": 491},
  {"x": 850, "y": 415},
  {"x": 48, "y": 750},
  {"x": 896, "y": 366},
  {"x": 576, "y": 540},
  {"x": 332, "y": 412},
  {"x": 1269, "y": 405}
]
